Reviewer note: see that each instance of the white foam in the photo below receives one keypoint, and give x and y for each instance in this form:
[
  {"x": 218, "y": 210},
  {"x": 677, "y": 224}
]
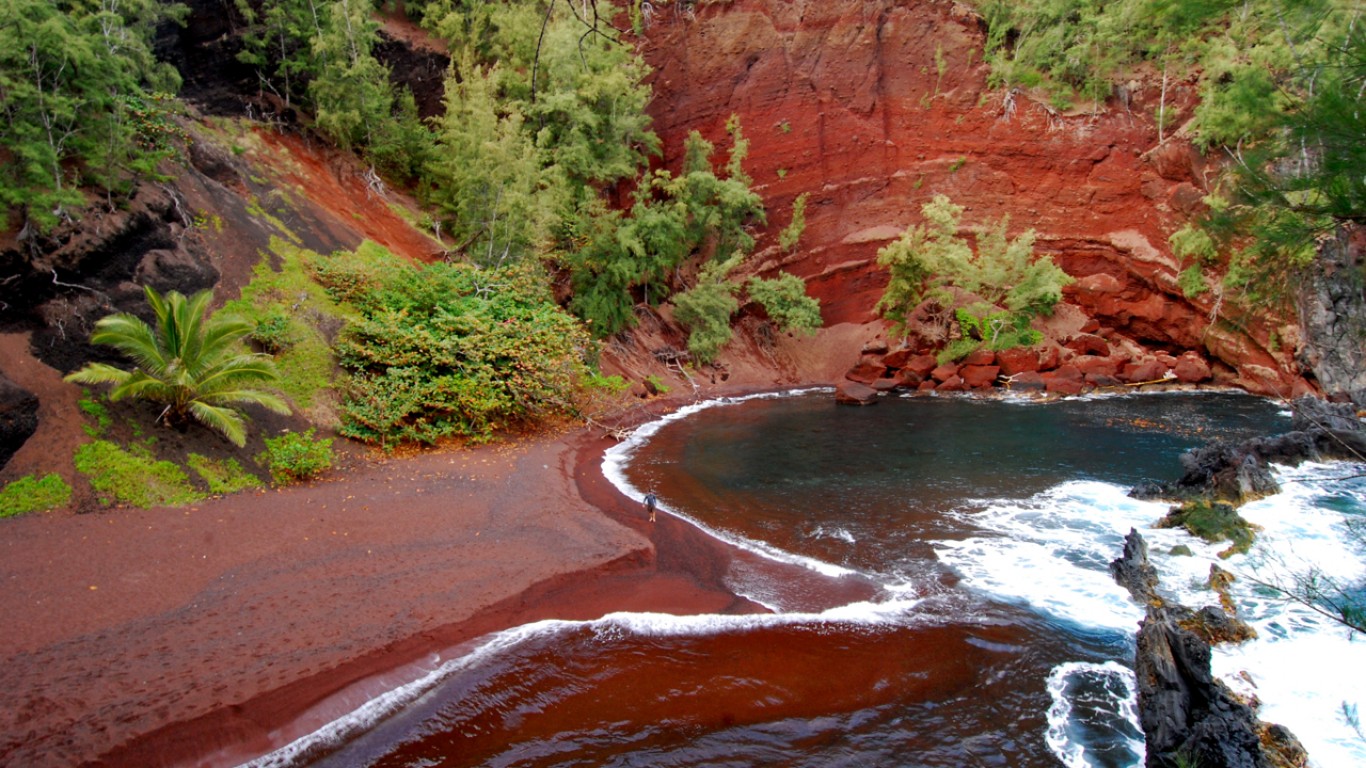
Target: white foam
[
  {"x": 1059, "y": 735},
  {"x": 1052, "y": 551},
  {"x": 616, "y": 458}
]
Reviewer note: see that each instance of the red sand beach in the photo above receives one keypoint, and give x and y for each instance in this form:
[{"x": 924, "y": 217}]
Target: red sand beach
[{"x": 195, "y": 635}]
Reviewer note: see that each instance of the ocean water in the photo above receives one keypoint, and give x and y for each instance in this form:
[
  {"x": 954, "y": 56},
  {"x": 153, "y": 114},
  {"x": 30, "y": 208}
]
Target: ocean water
[{"x": 994, "y": 637}]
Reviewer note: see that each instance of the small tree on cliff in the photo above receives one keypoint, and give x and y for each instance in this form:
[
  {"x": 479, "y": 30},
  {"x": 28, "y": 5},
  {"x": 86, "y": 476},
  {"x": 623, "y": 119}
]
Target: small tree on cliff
[
  {"x": 190, "y": 362},
  {"x": 931, "y": 261}
]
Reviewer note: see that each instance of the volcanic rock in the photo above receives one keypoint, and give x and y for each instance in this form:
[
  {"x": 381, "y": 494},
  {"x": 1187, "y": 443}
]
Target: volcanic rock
[
  {"x": 18, "y": 418},
  {"x": 854, "y": 393}
]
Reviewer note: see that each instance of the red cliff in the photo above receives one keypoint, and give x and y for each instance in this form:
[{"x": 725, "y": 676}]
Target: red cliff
[{"x": 874, "y": 107}]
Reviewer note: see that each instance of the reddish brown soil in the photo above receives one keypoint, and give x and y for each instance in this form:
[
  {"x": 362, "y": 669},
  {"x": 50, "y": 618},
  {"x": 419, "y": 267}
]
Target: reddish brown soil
[
  {"x": 162, "y": 636},
  {"x": 219, "y": 631}
]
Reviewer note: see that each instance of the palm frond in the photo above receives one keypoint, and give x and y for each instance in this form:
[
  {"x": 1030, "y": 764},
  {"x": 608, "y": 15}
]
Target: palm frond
[
  {"x": 98, "y": 373},
  {"x": 266, "y": 399},
  {"x": 133, "y": 337},
  {"x": 225, "y": 420}
]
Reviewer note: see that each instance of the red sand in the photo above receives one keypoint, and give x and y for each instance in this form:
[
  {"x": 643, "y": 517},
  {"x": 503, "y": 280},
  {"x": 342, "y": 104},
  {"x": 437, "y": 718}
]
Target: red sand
[{"x": 190, "y": 636}]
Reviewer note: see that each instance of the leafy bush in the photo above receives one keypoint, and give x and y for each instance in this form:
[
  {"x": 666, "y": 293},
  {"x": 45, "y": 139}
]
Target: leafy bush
[
  {"x": 792, "y": 233},
  {"x": 31, "y": 494},
  {"x": 294, "y": 457},
  {"x": 784, "y": 299},
  {"x": 222, "y": 477},
  {"x": 930, "y": 261},
  {"x": 133, "y": 477},
  {"x": 454, "y": 350},
  {"x": 706, "y": 309}
]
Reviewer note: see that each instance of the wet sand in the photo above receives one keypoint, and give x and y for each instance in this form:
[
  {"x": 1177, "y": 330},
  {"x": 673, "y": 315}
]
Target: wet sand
[{"x": 210, "y": 634}]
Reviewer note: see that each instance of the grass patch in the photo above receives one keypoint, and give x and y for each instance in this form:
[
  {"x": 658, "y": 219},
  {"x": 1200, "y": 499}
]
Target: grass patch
[
  {"x": 222, "y": 477},
  {"x": 96, "y": 410},
  {"x": 295, "y": 318},
  {"x": 133, "y": 477},
  {"x": 32, "y": 494}
]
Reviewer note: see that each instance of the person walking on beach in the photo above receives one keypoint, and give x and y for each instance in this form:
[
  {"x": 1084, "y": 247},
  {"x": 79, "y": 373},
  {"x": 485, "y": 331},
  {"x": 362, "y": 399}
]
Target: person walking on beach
[{"x": 650, "y": 501}]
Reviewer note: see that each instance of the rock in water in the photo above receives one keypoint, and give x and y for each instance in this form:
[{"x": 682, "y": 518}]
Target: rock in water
[
  {"x": 854, "y": 393},
  {"x": 1188, "y": 717}
]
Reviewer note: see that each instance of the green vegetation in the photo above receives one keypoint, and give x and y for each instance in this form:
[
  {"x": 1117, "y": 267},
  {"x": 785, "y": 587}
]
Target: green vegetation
[
  {"x": 992, "y": 293},
  {"x": 222, "y": 477},
  {"x": 295, "y": 309},
  {"x": 1213, "y": 521},
  {"x": 80, "y": 105},
  {"x": 294, "y": 457},
  {"x": 706, "y": 309},
  {"x": 32, "y": 494},
  {"x": 133, "y": 477},
  {"x": 792, "y": 233},
  {"x": 190, "y": 363},
  {"x": 1281, "y": 84},
  {"x": 784, "y": 299},
  {"x": 454, "y": 350}
]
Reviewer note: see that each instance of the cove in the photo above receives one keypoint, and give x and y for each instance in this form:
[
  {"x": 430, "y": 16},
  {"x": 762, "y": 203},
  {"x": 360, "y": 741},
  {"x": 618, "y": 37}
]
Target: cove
[{"x": 990, "y": 634}]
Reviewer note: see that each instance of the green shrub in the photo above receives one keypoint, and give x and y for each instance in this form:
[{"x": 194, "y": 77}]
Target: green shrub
[
  {"x": 294, "y": 457},
  {"x": 457, "y": 351},
  {"x": 784, "y": 299},
  {"x": 31, "y": 494},
  {"x": 274, "y": 331},
  {"x": 706, "y": 309},
  {"x": 222, "y": 477},
  {"x": 133, "y": 477}
]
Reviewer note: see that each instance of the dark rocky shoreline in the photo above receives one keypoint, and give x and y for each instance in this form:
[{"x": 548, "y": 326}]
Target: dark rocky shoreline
[{"x": 1189, "y": 717}]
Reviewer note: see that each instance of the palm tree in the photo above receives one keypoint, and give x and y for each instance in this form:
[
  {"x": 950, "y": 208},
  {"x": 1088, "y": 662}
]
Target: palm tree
[{"x": 190, "y": 362}]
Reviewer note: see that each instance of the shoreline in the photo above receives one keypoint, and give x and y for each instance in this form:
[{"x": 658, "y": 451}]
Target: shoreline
[{"x": 131, "y": 653}]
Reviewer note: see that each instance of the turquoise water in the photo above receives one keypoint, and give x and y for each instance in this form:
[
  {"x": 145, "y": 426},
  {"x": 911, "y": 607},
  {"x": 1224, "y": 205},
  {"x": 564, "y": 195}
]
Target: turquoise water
[{"x": 994, "y": 636}]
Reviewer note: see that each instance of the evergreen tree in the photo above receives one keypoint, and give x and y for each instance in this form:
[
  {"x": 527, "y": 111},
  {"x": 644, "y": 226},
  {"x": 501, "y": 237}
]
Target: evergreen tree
[{"x": 74, "y": 75}]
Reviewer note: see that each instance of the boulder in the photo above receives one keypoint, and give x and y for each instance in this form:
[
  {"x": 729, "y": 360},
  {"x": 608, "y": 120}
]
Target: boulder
[
  {"x": 944, "y": 372},
  {"x": 18, "y": 418},
  {"x": 1089, "y": 344},
  {"x": 921, "y": 365},
  {"x": 952, "y": 384},
  {"x": 854, "y": 393},
  {"x": 1144, "y": 371},
  {"x": 899, "y": 358},
  {"x": 979, "y": 376},
  {"x": 980, "y": 357},
  {"x": 1190, "y": 368},
  {"x": 1027, "y": 381},
  {"x": 886, "y": 384},
  {"x": 1017, "y": 360},
  {"x": 875, "y": 347},
  {"x": 1099, "y": 366},
  {"x": 907, "y": 379},
  {"x": 867, "y": 371},
  {"x": 1188, "y": 717}
]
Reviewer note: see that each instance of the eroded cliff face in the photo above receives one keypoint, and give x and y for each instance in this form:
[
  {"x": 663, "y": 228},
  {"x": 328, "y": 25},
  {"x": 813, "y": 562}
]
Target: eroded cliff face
[{"x": 874, "y": 107}]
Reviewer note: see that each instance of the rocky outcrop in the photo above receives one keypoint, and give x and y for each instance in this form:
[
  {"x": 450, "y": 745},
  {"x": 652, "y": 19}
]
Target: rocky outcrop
[
  {"x": 1239, "y": 472},
  {"x": 18, "y": 418},
  {"x": 1332, "y": 307},
  {"x": 871, "y": 108},
  {"x": 1188, "y": 717}
]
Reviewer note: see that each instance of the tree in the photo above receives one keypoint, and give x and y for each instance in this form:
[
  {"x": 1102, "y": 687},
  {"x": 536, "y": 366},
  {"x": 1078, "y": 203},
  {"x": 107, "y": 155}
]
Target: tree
[
  {"x": 706, "y": 309},
  {"x": 1010, "y": 285},
  {"x": 190, "y": 362},
  {"x": 74, "y": 75},
  {"x": 784, "y": 299}
]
